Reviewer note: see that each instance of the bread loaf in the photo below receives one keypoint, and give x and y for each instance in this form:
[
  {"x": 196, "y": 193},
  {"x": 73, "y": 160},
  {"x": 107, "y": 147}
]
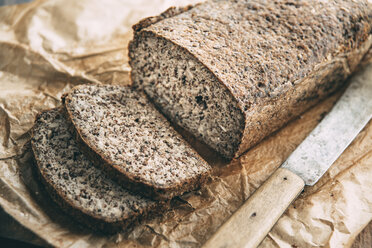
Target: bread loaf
[
  {"x": 76, "y": 185},
  {"x": 123, "y": 133},
  {"x": 232, "y": 72}
]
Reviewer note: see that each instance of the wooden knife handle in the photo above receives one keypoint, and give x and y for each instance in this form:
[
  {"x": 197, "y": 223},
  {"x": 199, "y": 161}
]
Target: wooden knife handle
[{"x": 254, "y": 219}]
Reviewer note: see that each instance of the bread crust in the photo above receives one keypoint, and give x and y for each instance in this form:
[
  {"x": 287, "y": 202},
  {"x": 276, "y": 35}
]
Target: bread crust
[
  {"x": 269, "y": 106},
  {"x": 170, "y": 12},
  {"x": 97, "y": 223},
  {"x": 121, "y": 176}
]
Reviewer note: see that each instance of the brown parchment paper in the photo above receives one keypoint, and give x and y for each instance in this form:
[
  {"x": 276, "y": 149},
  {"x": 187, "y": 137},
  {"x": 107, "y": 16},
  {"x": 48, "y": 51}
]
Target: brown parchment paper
[{"x": 47, "y": 47}]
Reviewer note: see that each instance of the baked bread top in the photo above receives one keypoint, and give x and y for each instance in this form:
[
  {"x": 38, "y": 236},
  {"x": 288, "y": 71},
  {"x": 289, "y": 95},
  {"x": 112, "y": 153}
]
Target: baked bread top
[{"x": 261, "y": 48}]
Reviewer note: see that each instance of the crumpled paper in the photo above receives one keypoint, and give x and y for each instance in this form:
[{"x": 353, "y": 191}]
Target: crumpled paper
[{"x": 47, "y": 47}]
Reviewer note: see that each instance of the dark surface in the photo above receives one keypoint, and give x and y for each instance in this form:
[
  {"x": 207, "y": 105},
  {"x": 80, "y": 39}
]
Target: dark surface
[
  {"x": 11, "y": 233},
  {"x": 5, "y": 243}
]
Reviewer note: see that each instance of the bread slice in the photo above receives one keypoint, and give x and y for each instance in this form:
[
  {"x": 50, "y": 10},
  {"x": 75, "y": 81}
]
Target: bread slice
[
  {"x": 126, "y": 136},
  {"x": 76, "y": 185},
  {"x": 232, "y": 72}
]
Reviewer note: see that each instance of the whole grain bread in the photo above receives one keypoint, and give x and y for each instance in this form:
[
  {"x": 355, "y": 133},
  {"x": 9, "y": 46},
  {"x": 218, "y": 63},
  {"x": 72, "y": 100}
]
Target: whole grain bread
[
  {"x": 76, "y": 185},
  {"x": 127, "y": 137},
  {"x": 232, "y": 72}
]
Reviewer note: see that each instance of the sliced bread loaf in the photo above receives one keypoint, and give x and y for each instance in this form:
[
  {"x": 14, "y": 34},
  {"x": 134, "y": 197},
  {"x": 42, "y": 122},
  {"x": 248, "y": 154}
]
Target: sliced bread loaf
[
  {"x": 126, "y": 136},
  {"x": 76, "y": 185},
  {"x": 232, "y": 72}
]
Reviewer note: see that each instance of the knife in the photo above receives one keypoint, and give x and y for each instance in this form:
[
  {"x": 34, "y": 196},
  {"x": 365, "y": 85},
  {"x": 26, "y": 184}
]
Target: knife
[{"x": 248, "y": 226}]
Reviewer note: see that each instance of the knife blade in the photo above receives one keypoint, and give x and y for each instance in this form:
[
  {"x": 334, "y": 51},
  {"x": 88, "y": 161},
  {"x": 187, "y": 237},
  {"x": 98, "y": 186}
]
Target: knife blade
[{"x": 305, "y": 166}]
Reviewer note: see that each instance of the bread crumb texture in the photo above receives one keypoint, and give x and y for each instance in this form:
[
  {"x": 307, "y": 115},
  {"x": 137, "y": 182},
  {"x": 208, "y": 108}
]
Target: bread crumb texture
[
  {"x": 126, "y": 130},
  {"x": 73, "y": 176}
]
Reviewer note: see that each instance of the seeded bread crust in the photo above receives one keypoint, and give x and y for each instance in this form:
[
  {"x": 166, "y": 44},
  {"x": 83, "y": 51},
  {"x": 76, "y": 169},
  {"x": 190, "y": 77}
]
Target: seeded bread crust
[
  {"x": 275, "y": 59},
  {"x": 170, "y": 12},
  {"x": 190, "y": 162},
  {"x": 129, "y": 209}
]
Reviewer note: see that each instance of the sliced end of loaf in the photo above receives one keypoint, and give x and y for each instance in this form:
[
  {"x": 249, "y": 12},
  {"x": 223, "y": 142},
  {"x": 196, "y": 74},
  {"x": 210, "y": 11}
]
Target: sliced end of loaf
[{"x": 187, "y": 92}]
